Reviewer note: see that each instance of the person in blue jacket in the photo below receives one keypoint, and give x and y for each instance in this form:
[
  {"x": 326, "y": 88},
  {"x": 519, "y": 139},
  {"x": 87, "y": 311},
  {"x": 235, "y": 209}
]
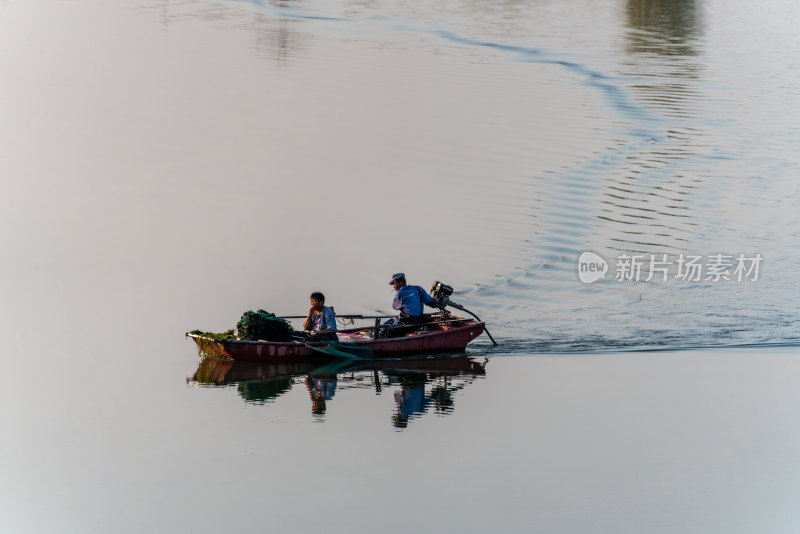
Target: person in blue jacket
[{"x": 410, "y": 300}]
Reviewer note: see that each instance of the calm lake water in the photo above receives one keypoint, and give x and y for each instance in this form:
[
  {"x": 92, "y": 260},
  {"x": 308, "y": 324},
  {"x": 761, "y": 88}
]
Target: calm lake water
[{"x": 169, "y": 165}]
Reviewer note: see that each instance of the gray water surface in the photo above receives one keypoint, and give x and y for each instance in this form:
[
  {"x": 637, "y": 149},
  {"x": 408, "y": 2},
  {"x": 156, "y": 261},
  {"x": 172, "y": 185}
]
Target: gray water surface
[{"x": 169, "y": 165}]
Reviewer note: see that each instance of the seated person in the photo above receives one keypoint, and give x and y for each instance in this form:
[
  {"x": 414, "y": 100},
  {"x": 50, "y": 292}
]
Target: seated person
[
  {"x": 321, "y": 321},
  {"x": 410, "y": 300}
]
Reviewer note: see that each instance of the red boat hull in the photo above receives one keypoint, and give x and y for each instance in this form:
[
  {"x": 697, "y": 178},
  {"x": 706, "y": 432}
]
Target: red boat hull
[
  {"x": 445, "y": 339},
  {"x": 253, "y": 351},
  {"x": 451, "y": 340}
]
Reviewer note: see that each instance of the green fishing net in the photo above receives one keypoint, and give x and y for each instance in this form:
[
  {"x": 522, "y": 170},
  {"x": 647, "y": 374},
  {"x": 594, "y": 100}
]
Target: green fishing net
[{"x": 255, "y": 325}]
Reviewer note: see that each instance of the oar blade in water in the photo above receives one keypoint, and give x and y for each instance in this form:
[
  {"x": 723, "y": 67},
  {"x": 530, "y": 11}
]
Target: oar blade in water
[{"x": 342, "y": 350}]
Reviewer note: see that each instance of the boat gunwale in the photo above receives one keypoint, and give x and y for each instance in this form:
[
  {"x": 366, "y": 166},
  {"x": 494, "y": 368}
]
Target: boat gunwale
[
  {"x": 258, "y": 341},
  {"x": 469, "y": 323}
]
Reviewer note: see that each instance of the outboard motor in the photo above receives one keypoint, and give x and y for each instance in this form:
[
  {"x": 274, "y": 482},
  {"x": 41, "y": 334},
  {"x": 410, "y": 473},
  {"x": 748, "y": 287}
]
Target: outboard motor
[{"x": 441, "y": 292}]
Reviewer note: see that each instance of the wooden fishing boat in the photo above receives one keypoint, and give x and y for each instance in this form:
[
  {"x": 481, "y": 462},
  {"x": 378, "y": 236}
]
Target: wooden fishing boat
[{"x": 441, "y": 334}]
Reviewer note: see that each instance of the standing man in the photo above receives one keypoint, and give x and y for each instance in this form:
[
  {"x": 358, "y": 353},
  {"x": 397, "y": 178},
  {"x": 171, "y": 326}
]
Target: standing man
[
  {"x": 321, "y": 319},
  {"x": 410, "y": 300}
]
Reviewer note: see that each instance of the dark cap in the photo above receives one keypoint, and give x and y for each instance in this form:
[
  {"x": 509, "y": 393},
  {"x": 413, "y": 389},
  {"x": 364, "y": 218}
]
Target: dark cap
[{"x": 397, "y": 276}]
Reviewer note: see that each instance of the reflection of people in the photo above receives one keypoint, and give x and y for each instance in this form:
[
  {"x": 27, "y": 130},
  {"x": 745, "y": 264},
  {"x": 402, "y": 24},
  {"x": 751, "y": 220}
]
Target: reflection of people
[
  {"x": 321, "y": 388},
  {"x": 321, "y": 319},
  {"x": 410, "y": 398},
  {"x": 410, "y": 300}
]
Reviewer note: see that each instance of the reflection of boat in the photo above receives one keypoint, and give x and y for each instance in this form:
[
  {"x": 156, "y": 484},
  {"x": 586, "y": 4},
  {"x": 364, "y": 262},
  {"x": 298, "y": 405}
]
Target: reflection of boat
[
  {"x": 262, "y": 382},
  {"x": 256, "y": 382},
  {"x": 214, "y": 371},
  {"x": 419, "y": 384},
  {"x": 446, "y": 333}
]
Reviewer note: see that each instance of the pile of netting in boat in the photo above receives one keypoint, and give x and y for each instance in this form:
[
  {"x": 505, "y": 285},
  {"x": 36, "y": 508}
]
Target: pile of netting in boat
[{"x": 255, "y": 326}]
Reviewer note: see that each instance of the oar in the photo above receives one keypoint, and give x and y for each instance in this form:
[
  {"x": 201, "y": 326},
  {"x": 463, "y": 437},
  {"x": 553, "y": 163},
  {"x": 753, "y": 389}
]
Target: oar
[
  {"x": 449, "y": 303},
  {"x": 341, "y": 316},
  {"x": 350, "y": 351}
]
